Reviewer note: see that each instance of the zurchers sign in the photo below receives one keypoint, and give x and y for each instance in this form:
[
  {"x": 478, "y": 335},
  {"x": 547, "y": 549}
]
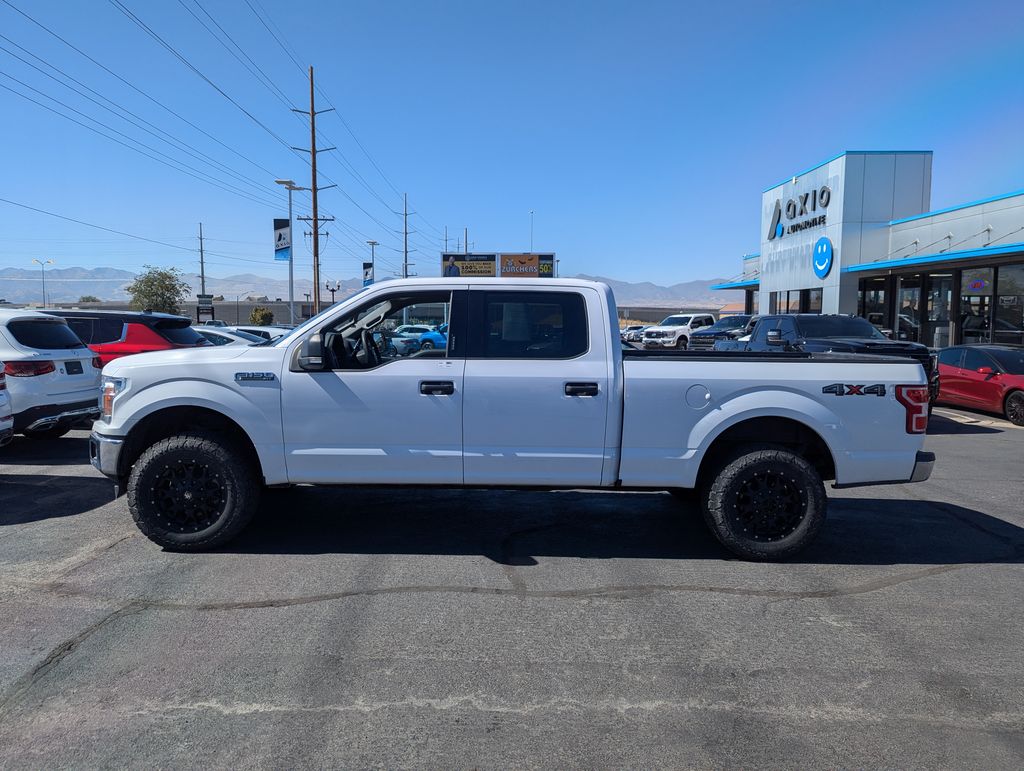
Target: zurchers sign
[{"x": 810, "y": 206}]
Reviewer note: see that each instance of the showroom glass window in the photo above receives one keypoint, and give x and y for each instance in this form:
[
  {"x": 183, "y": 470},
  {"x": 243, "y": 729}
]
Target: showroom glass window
[
  {"x": 1009, "y": 321},
  {"x": 976, "y": 304}
]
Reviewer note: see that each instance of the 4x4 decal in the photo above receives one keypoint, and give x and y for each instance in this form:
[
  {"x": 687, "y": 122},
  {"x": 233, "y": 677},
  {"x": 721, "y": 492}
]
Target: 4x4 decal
[{"x": 847, "y": 389}]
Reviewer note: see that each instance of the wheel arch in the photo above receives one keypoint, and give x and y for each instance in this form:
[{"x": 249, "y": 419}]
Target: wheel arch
[
  {"x": 1006, "y": 399},
  {"x": 768, "y": 431},
  {"x": 169, "y": 421}
]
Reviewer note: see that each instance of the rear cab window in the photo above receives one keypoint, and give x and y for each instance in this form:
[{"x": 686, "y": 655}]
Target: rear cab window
[{"x": 44, "y": 334}]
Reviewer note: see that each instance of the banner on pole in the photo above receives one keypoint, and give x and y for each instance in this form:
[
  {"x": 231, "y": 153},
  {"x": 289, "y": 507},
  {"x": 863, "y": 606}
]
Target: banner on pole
[
  {"x": 367, "y": 273},
  {"x": 282, "y": 239}
]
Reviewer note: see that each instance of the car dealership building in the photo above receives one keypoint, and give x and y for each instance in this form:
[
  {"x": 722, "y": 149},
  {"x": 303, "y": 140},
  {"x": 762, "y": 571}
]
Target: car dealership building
[{"x": 854, "y": 235}]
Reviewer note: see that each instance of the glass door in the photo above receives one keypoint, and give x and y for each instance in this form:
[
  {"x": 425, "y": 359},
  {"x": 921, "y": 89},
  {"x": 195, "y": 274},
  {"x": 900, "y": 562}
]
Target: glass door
[
  {"x": 935, "y": 332},
  {"x": 1009, "y": 326},
  {"x": 976, "y": 305}
]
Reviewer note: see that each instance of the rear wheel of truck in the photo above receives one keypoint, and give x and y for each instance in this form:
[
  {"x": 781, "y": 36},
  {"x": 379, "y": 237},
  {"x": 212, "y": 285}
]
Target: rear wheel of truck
[
  {"x": 765, "y": 504},
  {"x": 193, "y": 492}
]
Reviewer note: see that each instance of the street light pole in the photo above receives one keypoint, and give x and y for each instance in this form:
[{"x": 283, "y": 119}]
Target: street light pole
[
  {"x": 373, "y": 258},
  {"x": 531, "y": 231},
  {"x": 42, "y": 273},
  {"x": 333, "y": 289},
  {"x": 290, "y": 186}
]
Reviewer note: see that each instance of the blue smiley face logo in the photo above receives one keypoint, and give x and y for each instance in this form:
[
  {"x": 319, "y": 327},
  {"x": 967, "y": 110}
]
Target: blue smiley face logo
[
  {"x": 778, "y": 230},
  {"x": 821, "y": 257}
]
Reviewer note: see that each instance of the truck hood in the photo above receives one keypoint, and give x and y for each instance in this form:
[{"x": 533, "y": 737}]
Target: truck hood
[
  {"x": 662, "y": 329},
  {"x": 182, "y": 357}
]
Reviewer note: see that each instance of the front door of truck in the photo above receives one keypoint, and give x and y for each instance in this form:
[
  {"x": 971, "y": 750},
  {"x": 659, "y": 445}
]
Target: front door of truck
[
  {"x": 537, "y": 388},
  {"x": 381, "y": 413}
]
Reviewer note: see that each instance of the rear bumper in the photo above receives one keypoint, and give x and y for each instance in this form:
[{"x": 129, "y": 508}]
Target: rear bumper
[
  {"x": 49, "y": 415},
  {"x": 923, "y": 466},
  {"x": 104, "y": 453}
]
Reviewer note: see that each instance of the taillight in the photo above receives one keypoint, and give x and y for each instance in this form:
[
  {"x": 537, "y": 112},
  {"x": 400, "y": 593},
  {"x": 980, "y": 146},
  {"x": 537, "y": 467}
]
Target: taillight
[
  {"x": 97, "y": 362},
  {"x": 29, "y": 368},
  {"x": 914, "y": 399},
  {"x": 3, "y": 381}
]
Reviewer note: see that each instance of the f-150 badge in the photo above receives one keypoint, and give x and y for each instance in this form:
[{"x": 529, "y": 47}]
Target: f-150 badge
[{"x": 247, "y": 376}]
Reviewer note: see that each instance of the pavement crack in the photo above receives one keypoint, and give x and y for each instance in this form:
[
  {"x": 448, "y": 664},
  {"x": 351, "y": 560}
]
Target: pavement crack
[
  {"x": 20, "y": 688},
  {"x": 625, "y": 591}
]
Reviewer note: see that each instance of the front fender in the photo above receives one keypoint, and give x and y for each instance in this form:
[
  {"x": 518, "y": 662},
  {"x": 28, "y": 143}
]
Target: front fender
[{"x": 257, "y": 411}]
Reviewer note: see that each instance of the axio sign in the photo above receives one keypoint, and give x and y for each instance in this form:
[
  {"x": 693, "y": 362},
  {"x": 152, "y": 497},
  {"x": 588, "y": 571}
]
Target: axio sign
[{"x": 805, "y": 205}]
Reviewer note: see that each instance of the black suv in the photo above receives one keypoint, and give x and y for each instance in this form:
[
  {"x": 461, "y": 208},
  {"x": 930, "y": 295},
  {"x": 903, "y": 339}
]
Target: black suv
[{"x": 726, "y": 328}]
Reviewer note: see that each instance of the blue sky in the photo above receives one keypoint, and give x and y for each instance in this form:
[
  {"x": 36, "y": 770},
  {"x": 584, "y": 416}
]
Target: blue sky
[{"x": 641, "y": 134}]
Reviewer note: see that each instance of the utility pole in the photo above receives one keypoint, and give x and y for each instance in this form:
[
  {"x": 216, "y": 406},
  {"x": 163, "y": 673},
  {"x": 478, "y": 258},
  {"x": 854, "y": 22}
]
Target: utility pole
[
  {"x": 405, "y": 235},
  {"x": 314, "y": 189},
  {"x": 373, "y": 257},
  {"x": 446, "y": 238},
  {"x": 202, "y": 263},
  {"x": 465, "y": 242}
]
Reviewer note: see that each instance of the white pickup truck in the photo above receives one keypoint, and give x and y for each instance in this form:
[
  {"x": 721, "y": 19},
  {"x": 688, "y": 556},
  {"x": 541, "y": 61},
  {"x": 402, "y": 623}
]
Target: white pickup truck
[{"x": 534, "y": 390}]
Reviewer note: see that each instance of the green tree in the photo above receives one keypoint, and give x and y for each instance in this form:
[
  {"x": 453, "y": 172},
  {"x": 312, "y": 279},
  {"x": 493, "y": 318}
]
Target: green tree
[
  {"x": 88, "y": 298},
  {"x": 260, "y": 316},
  {"x": 158, "y": 289}
]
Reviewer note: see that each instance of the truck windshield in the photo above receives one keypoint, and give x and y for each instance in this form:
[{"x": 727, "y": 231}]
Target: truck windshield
[
  {"x": 676, "y": 321},
  {"x": 839, "y": 326}
]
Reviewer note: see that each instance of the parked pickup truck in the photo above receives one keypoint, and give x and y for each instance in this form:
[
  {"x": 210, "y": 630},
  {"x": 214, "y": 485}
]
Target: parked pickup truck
[
  {"x": 533, "y": 390},
  {"x": 831, "y": 333}
]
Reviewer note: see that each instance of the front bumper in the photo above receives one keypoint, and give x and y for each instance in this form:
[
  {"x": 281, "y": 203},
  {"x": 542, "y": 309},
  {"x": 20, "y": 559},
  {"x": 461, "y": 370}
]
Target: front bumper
[
  {"x": 49, "y": 415},
  {"x": 104, "y": 453},
  {"x": 659, "y": 342},
  {"x": 923, "y": 466}
]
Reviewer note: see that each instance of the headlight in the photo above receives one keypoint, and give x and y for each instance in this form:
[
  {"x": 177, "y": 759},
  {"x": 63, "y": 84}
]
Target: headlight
[{"x": 112, "y": 386}]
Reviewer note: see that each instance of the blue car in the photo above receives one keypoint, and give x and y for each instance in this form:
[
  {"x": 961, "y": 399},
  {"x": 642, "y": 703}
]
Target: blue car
[{"x": 436, "y": 338}]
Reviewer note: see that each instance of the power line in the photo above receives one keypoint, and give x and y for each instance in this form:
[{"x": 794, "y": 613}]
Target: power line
[
  {"x": 195, "y": 173},
  {"x": 177, "y": 144},
  {"x": 136, "y": 88}
]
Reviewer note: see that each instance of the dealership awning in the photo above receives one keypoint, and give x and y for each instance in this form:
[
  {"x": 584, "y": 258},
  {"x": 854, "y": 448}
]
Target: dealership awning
[
  {"x": 745, "y": 284},
  {"x": 968, "y": 255}
]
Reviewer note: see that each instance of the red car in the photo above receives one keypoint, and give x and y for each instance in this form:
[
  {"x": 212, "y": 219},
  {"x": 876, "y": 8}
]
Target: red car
[
  {"x": 112, "y": 334},
  {"x": 984, "y": 377}
]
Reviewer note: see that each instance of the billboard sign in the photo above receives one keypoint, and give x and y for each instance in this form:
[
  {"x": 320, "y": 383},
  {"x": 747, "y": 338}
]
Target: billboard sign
[
  {"x": 527, "y": 265},
  {"x": 367, "y": 273},
  {"x": 454, "y": 264}
]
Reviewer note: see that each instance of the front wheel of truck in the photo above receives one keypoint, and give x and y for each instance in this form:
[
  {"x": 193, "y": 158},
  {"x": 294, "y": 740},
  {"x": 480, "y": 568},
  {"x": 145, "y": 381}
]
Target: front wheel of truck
[
  {"x": 765, "y": 504},
  {"x": 192, "y": 492}
]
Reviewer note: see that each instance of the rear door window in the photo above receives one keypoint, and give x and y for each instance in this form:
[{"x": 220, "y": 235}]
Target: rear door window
[
  {"x": 45, "y": 334},
  {"x": 82, "y": 327},
  {"x": 528, "y": 325},
  {"x": 950, "y": 357},
  {"x": 106, "y": 330},
  {"x": 974, "y": 360}
]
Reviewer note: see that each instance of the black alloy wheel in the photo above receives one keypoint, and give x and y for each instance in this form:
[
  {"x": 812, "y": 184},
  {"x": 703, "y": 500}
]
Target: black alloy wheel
[
  {"x": 189, "y": 495},
  {"x": 1015, "y": 408},
  {"x": 768, "y": 506}
]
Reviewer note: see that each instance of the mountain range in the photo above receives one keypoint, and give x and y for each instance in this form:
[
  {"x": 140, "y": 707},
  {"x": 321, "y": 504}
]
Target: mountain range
[{"x": 23, "y": 285}]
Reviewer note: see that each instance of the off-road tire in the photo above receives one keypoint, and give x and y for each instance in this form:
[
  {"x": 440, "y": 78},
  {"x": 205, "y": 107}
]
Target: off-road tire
[
  {"x": 1014, "y": 408},
  {"x": 193, "y": 492},
  {"x": 54, "y": 432},
  {"x": 765, "y": 504}
]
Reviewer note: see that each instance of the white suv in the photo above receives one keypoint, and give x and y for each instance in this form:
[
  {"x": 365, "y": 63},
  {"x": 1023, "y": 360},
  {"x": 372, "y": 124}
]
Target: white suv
[
  {"x": 52, "y": 377},
  {"x": 674, "y": 331},
  {"x": 6, "y": 416}
]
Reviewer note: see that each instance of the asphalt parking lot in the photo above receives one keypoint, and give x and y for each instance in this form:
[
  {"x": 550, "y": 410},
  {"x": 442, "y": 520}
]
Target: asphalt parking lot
[{"x": 494, "y": 629}]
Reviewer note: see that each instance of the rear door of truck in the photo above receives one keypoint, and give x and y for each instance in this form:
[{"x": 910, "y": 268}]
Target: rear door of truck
[{"x": 537, "y": 387}]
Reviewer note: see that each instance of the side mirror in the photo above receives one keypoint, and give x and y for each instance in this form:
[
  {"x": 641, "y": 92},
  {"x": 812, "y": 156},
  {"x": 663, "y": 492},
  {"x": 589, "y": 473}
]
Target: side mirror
[
  {"x": 774, "y": 337},
  {"x": 311, "y": 354},
  {"x": 988, "y": 372}
]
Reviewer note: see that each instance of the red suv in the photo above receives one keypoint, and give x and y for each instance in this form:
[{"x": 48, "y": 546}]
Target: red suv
[{"x": 112, "y": 334}]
